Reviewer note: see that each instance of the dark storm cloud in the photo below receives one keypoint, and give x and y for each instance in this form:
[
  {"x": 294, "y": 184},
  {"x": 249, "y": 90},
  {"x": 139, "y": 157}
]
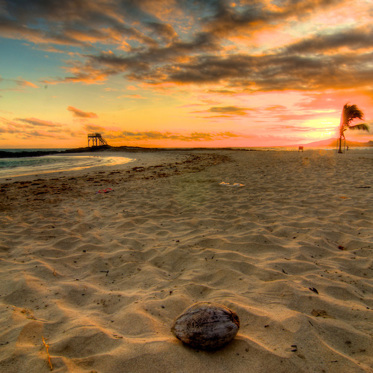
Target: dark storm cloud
[
  {"x": 142, "y": 46},
  {"x": 352, "y": 39},
  {"x": 227, "y": 20},
  {"x": 54, "y": 9},
  {"x": 57, "y": 20},
  {"x": 277, "y": 71},
  {"x": 228, "y": 110},
  {"x": 201, "y": 42},
  {"x": 286, "y": 69},
  {"x": 69, "y": 22},
  {"x": 164, "y": 30},
  {"x": 153, "y": 65},
  {"x": 253, "y": 14}
]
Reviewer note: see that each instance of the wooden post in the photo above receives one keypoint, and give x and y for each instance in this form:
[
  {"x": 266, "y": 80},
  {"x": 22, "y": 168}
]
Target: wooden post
[{"x": 96, "y": 139}]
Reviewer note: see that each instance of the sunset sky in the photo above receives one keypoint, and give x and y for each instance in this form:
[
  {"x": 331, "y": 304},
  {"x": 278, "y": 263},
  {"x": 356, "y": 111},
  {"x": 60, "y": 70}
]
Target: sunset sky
[{"x": 182, "y": 73}]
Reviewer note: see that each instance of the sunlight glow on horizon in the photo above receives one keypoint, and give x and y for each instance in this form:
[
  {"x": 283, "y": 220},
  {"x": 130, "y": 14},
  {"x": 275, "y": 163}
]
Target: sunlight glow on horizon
[{"x": 180, "y": 74}]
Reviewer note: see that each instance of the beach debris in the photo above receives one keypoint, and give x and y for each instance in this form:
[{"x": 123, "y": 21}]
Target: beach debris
[
  {"x": 206, "y": 326},
  {"x": 231, "y": 185},
  {"x": 321, "y": 313},
  {"x": 340, "y": 247},
  {"x": 48, "y": 355},
  {"x": 107, "y": 190},
  {"x": 294, "y": 348},
  {"x": 314, "y": 290}
]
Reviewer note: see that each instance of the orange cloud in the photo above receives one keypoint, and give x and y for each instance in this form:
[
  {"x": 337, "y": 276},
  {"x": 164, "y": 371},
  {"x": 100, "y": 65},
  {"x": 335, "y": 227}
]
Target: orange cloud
[
  {"x": 81, "y": 114},
  {"x": 225, "y": 111},
  {"x": 28, "y": 128},
  {"x": 155, "y": 135},
  {"x": 137, "y": 96},
  {"x": 25, "y": 83},
  {"x": 93, "y": 128}
]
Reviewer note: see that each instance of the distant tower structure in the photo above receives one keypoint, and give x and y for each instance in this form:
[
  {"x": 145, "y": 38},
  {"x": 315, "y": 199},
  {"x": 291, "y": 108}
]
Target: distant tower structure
[{"x": 96, "y": 139}]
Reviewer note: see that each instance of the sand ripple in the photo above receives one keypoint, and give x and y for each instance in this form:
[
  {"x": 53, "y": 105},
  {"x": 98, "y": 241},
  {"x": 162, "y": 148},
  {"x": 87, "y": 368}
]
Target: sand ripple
[{"x": 102, "y": 276}]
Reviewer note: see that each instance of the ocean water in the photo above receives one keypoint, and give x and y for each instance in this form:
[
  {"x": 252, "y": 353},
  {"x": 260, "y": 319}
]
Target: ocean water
[{"x": 25, "y": 166}]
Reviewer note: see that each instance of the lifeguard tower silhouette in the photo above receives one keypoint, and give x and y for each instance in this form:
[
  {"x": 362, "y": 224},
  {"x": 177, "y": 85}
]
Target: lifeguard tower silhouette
[{"x": 96, "y": 139}]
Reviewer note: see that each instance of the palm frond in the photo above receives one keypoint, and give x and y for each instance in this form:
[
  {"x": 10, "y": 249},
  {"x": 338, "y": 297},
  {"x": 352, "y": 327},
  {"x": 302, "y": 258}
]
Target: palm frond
[
  {"x": 351, "y": 112},
  {"x": 360, "y": 126}
]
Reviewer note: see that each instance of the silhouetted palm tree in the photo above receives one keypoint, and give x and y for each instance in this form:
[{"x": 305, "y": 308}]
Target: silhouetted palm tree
[{"x": 349, "y": 113}]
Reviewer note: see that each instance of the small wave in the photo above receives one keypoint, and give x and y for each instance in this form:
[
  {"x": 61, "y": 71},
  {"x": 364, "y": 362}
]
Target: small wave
[{"x": 14, "y": 167}]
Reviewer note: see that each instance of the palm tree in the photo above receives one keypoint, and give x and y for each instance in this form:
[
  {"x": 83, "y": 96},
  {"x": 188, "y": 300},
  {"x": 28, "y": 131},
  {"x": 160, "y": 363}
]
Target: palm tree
[{"x": 349, "y": 113}]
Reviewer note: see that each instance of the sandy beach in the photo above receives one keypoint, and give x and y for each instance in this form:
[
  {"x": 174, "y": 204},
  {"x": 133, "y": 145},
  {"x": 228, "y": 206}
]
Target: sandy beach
[{"x": 99, "y": 263}]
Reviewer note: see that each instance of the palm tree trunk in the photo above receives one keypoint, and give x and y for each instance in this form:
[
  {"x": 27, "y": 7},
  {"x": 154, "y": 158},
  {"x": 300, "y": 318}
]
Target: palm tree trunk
[
  {"x": 340, "y": 144},
  {"x": 340, "y": 133}
]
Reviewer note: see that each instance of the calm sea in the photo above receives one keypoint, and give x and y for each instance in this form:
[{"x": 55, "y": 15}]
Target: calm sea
[{"x": 13, "y": 167}]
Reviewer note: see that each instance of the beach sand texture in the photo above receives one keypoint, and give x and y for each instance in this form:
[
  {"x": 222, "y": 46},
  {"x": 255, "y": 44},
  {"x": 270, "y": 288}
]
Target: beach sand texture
[{"x": 102, "y": 276}]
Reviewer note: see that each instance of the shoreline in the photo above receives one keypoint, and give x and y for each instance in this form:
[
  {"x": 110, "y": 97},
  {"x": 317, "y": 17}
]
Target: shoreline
[
  {"x": 150, "y": 156},
  {"x": 146, "y": 159},
  {"x": 59, "y": 164},
  {"x": 10, "y": 153},
  {"x": 146, "y": 167}
]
